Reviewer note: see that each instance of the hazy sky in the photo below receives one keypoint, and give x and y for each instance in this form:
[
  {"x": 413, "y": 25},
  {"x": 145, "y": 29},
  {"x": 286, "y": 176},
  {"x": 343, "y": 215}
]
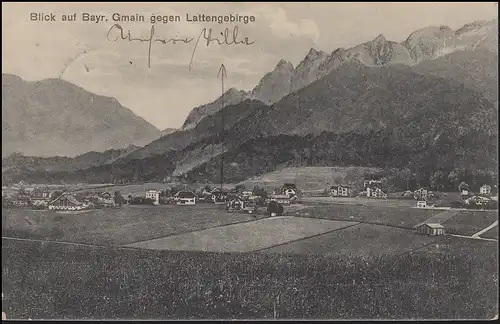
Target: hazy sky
[{"x": 164, "y": 94}]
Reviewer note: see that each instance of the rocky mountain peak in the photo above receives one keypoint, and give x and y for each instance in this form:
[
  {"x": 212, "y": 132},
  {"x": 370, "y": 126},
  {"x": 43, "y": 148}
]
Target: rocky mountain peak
[
  {"x": 379, "y": 39},
  {"x": 283, "y": 65}
]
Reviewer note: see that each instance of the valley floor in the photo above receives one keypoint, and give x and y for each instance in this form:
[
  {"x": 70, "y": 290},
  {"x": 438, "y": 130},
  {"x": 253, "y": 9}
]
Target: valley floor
[{"x": 317, "y": 261}]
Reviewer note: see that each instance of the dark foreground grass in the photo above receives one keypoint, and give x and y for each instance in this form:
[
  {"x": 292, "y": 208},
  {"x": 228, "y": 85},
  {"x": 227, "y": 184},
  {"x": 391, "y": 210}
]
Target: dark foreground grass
[{"x": 48, "y": 280}]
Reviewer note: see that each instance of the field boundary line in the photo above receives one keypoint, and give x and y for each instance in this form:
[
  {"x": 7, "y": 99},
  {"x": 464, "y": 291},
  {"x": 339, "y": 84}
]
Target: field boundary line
[
  {"x": 304, "y": 238},
  {"x": 486, "y": 229},
  {"x": 70, "y": 243}
]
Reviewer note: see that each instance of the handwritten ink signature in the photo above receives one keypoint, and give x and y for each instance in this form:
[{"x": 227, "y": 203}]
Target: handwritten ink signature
[{"x": 207, "y": 34}]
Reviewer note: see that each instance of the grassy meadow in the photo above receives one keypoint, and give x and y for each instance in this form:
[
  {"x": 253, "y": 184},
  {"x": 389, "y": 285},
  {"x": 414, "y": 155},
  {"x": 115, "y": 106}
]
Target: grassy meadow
[{"x": 54, "y": 281}]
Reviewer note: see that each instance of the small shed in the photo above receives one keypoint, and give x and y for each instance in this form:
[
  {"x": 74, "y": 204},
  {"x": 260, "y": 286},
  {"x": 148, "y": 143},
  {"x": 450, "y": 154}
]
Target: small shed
[
  {"x": 422, "y": 204},
  {"x": 430, "y": 229}
]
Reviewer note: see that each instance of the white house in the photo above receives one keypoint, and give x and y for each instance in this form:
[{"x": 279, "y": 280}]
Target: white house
[
  {"x": 374, "y": 192},
  {"x": 339, "y": 191},
  {"x": 154, "y": 195},
  {"x": 478, "y": 200},
  {"x": 185, "y": 198},
  {"x": 422, "y": 204},
  {"x": 485, "y": 190},
  {"x": 247, "y": 193},
  {"x": 289, "y": 189}
]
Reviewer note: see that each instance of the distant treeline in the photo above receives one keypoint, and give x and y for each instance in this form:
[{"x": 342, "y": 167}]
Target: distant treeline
[{"x": 407, "y": 163}]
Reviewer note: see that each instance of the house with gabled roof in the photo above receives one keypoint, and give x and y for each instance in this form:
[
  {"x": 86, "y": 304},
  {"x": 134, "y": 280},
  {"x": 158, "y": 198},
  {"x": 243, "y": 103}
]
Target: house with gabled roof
[
  {"x": 66, "y": 202},
  {"x": 289, "y": 189},
  {"x": 340, "y": 191},
  {"x": 430, "y": 228},
  {"x": 485, "y": 190}
]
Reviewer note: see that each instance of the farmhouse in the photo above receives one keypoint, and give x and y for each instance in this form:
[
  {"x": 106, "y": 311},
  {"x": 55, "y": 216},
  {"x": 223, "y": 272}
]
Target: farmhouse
[
  {"x": 420, "y": 194},
  {"x": 247, "y": 193},
  {"x": 485, "y": 190},
  {"x": 340, "y": 191},
  {"x": 185, "y": 198},
  {"x": 21, "y": 200},
  {"x": 218, "y": 197},
  {"x": 289, "y": 189},
  {"x": 40, "y": 193},
  {"x": 66, "y": 202},
  {"x": 478, "y": 200},
  {"x": 40, "y": 202},
  {"x": 154, "y": 195},
  {"x": 430, "y": 229},
  {"x": 375, "y": 192},
  {"x": 422, "y": 204},
  {"x": 106, "y": 200}
]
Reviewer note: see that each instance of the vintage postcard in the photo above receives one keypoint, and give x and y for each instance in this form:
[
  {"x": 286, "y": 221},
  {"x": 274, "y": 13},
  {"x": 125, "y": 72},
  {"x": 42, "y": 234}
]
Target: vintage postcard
[{"x": 333, "y": 161}]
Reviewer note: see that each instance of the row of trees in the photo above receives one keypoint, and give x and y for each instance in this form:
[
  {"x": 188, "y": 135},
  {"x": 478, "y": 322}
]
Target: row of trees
[{"x": 440, "y": 180}]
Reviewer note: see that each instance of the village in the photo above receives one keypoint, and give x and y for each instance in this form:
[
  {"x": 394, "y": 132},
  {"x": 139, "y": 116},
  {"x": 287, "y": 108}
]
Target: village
[{"x": 239, "y": 199}]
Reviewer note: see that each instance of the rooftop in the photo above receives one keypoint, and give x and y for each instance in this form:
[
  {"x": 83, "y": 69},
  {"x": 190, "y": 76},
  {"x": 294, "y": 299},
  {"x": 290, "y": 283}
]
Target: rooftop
[{"x": 431, "y": 225}]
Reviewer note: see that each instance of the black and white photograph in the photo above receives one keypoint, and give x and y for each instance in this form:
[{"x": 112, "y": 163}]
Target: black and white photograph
[{"x": 250, "y": 161}]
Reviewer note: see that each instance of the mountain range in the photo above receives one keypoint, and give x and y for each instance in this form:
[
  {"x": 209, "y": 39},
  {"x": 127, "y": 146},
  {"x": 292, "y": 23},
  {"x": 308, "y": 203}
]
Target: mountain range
[
  {"x": 54, "y": 117},
  {"x": 422, "y": 45},
  {"x": 428, "y": 103}
]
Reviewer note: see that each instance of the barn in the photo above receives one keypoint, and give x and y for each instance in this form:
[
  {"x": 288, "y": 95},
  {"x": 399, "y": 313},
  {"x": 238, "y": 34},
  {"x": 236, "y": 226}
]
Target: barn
[
  {"x": 430, "y": 229},
  {"x": 66, "y": 202}
]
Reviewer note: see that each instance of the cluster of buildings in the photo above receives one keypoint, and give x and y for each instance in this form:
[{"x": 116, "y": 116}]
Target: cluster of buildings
[
  {"x": 24, "y": 197},
  {"x": 371, "y": 189},
  {"x": 44, "y": 198}
]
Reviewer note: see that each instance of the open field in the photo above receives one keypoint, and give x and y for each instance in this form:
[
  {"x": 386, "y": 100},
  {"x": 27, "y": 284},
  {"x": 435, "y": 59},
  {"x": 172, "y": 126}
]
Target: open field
[
  {"x": 470, "y": 222},
  {"x": 360, "y": 201},
  {"x": 359, "y": 240},
  {"x": 492, "y": 233},
  {"x": 55, "y": 281},
  {"x": 383, "y": 215},
  {"x": 132, "y": 189},
  {"x": 246, "y": 237},
  {"x": 443, "y": 216},
  {"x": 115, "y": 226},
  {"x": 320, "y": 265},
  {"x": 309, "y": 178}
]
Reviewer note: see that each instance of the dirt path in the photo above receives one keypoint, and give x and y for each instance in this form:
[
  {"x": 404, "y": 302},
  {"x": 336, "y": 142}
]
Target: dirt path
[
  {"x": 486, "y": 229},
  {"x": 473, "y": 237}
]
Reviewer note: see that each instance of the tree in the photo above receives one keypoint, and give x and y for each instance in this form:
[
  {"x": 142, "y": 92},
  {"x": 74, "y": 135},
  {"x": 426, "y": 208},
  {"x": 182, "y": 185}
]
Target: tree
[
  {"x": 455, "y": 176},
  {"x": 437, "y": 180},
  {"x": 57, "y": 194},
  {"x": 257, "y": 191},
  {"x": 119, "y": 198},
  {"x": 240, "y": 187},
  {"x": 463, "y": 186}
]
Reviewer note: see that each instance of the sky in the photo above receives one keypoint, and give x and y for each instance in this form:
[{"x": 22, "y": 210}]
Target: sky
[{"x": 164, "y": 92}]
